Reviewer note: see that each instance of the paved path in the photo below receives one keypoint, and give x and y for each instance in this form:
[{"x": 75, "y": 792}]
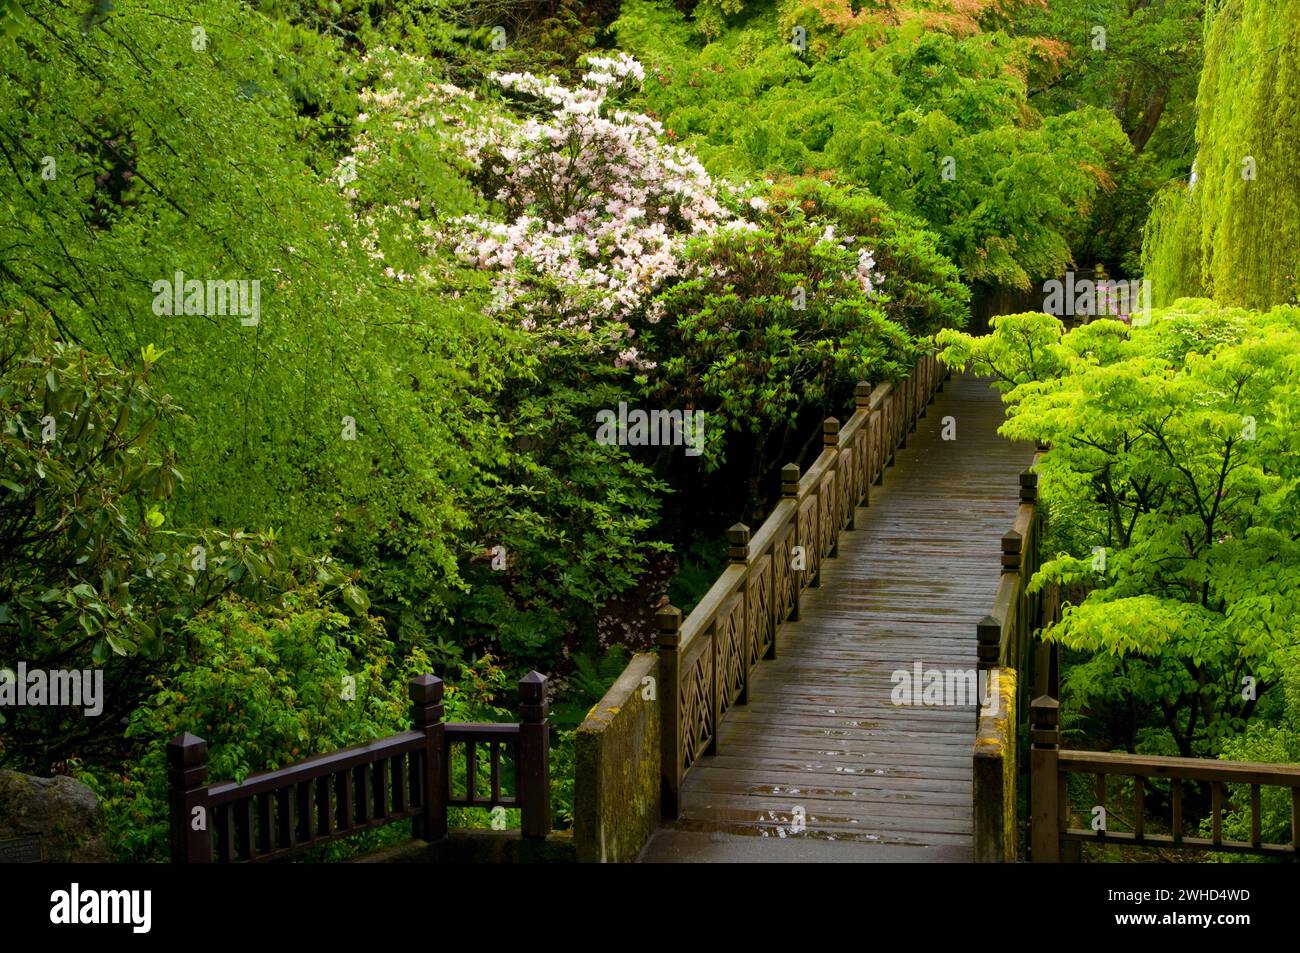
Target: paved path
[{"x": 874, "y": 781}]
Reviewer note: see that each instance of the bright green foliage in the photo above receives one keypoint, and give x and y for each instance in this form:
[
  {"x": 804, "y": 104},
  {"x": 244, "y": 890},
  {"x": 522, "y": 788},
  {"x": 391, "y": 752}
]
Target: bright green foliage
[
  {"x": 1276, "y": 742},
  {"x": 93, "y": 570},
  {"x": 1246, "y": 194},
  {"x": 265, "y": 686},
  {"x": 940, "y": 126},
  {"x": 917, "y": 286},
  {"x": 572, "y": 516},
  {"x": 788, "y": 327},
  {"x": 592, "y": 676},
  {"x": 1171, "y": 258},
  {"x": 213, "y": 154},
  {"x": 1172, "y": 486},
  {"x": 1140, "y": 61}
]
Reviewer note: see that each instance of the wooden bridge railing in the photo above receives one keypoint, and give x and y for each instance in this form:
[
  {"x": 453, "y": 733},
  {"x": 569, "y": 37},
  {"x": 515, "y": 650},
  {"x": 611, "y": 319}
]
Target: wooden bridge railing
[
  {"x": 1006, "y": 645},
  {"x": 1005, "y": 636},
  {"x": 1051, "y": 766},
  {"x": 706, "y": 660},
  {"x": 1004, "y": 640},
  {"x": 329, "y": 796}
]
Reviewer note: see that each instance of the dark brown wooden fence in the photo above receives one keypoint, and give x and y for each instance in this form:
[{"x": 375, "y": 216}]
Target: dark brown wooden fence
[
  {"x": 1006, "y": 641},
  {"x": 1050, "y": 808},
  {"x": 705, "y": 661},
  {"x": 1007, "y": 657},
  {"x": 1006, "y": 636},
  {"x": 405, "y": 776}
]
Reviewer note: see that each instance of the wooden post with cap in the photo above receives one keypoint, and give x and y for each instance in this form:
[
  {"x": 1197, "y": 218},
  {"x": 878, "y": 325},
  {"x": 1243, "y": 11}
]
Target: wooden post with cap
[
  {"x": 790, "y": 491},
  {"x": 427, "y": 717},
  {"x": 191, "y": 817},
  {"x": 738, "y": 555},
  {"x": 831, "y": 442},
  {"x": 668, "y": 621},
  {"x": 534, "y": 767},
  {"x": 1044, "y": 779}
]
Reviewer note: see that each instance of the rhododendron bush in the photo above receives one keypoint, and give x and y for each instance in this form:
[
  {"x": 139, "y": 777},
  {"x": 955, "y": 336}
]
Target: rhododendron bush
[
  {"x": 618, "y": 269},
  {"x": 615, "y": 241},
  {"x": 598, "y": 207}
]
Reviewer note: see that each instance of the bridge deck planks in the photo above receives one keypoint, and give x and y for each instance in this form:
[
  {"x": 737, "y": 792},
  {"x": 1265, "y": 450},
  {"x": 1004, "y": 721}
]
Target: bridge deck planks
[{"x": 820, "y": 731}]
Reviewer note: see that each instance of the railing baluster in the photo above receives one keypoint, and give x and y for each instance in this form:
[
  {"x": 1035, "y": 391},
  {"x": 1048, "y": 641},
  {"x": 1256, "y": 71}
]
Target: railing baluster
[
  {"x": 263, "y": 842},
  {"x": 283, "y": 825},
  {"x": 494, "y": 756},
  {"x": 1295, "y": 820},
  {"x": 1176, "y": 794},
  {"x": 361, "y": 778},
  {"x": 329, "y": 806},
  {"x": 1254, "y": 816},
  {"x": 291, "y": 817},
  {"x": 244, "y": 827},
  {"x": 225, "y": 837},
  {"x": 1099, "y": 789},
  {"x": 346, "y": 789},
  {"x": 381, "y": 788},
  {"x": 471, "y": 772},
  {"x": 400, "y": 783},
  {"x": 1216, "y": 805},
  {"x": 304, "y": 821},
  {"x": 1139, "y": 807}
]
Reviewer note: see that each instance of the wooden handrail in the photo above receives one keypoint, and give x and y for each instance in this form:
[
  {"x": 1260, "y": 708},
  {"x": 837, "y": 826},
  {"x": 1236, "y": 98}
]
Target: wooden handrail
[
  {"x": 1003, "y": 641},
  {"x": 1161, "y": 766},
  {"x": 408, "y": 775},
  {"x": 706, "y": 659},
  {"x": 315, "y": 767},
  {"x": 1050, "y": 766}
]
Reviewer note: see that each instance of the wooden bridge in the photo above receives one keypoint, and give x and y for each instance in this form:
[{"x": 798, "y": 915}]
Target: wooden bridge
[
  {"x": 821, "y": 759},
  {"x": 772, "y": 724}
]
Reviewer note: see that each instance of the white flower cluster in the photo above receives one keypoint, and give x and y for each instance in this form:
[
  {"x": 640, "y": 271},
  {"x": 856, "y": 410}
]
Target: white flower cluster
[{"x": 598, "y": 204}]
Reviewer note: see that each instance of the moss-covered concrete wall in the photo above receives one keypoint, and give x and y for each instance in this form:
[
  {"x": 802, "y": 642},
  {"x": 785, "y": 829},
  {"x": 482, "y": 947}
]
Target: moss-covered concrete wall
[
  {"x": 616, "y": 783},
  {"x": 995, "y": 770}
]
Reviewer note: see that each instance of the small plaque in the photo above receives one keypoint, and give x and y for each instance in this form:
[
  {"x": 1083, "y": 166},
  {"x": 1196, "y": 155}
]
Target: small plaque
[{"x": 22, "y": 850}]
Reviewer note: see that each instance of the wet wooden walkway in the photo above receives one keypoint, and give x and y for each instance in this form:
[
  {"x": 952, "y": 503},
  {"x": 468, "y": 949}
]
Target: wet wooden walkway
[{"x": 821, "y": 765}]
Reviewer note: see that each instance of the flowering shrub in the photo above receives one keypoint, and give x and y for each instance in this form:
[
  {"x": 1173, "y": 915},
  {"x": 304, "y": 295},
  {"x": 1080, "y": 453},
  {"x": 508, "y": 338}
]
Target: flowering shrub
[{"x": 599, "y": 208}]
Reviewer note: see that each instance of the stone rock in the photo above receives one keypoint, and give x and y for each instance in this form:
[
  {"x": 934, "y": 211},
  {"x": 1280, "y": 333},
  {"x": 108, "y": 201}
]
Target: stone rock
[{"x": 61, "y": 811}]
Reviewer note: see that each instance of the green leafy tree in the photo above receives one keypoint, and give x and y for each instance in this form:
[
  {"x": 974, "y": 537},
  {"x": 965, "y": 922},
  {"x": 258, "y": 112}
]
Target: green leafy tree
[
  {"x": 264, "y": 685},
  {"x": 1233, "y": 233},
  {"x": 94, "y": 575},
  {"x": 938, "y": 124},
  {"x": 1171, "y": 487}
]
